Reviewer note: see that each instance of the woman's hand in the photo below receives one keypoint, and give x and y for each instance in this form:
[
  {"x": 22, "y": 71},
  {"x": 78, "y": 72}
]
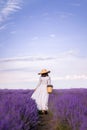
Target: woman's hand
[{"x": 35, "y": 89}]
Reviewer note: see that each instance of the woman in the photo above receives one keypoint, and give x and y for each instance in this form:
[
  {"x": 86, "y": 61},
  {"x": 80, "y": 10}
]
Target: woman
[{"x": 40, "y": 94}]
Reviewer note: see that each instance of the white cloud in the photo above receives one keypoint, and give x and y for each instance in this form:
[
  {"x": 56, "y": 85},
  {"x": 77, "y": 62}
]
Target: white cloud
[
  {"x": 66, "y": 67},
  {"x": 23, "y": 64},
  {"x": 52, "y": 35},
  {"x": 13, "y": 77},
  {"x": 8, "y": 8},
  {"x": 73, "y": 53},
  {"x": 35, "y": 38},
  {"x": 71, "y": 77},
  {"x": 64, "y": 15},
  {"x": 3, "y": 27},
  {"x": 26, "y": 58}
]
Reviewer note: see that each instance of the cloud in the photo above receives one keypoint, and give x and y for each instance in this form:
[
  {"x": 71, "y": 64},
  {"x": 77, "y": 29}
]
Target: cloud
[
  {"x": 23, "y": 64},
  {"x": 28, "y": 62},
  {"x": 52, "y": 35},
  {"x": 35, "y": 38},
  {"x": 3, "y": 27},
  {"x": 13, "y": 77},
  {"x": 27, "y": 58},
  {"x": 69, "y": 53},
  {"x": 67, "y": 69},
  {"x": 8, "y": 8},
  {"x": 64, "y": 15},
  {"x": 71, "y": 77},
  {"x": 61, "y": 55}
]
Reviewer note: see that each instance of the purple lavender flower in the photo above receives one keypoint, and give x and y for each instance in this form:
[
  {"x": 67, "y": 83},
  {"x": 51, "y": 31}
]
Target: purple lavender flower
[{"x": 17, "y": 111}]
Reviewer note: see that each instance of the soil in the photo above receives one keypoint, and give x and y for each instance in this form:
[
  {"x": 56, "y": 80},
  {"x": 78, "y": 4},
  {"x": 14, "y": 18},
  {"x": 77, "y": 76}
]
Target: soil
[{"x": 46, "y": 122}]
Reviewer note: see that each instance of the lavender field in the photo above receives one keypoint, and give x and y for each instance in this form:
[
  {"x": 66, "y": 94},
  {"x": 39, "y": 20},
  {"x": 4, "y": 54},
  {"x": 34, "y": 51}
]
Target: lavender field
[{"x": 67, "y": 110}]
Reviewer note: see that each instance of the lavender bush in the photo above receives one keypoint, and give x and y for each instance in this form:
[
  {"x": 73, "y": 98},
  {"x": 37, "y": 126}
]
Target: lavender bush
[
  {"x": 70, "y": 109},
  {"x": 17, "y": 110}
]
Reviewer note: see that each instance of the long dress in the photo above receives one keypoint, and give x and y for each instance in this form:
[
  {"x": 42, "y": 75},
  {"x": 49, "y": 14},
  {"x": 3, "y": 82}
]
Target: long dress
[{"x": 41, "y": 95}]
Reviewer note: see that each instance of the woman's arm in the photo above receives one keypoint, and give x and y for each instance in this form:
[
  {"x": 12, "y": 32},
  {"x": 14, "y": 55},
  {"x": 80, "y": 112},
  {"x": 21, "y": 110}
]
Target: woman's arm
[
  {"x": 49, "y": 81},
  {"x": 39, "y": 83}
]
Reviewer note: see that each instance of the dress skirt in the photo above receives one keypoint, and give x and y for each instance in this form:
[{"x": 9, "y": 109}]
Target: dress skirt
[{"x": 41, "y": 95}]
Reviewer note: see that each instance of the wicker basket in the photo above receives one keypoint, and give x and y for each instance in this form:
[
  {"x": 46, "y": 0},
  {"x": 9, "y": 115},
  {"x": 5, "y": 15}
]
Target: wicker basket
[{"x": 49, "y": 88}]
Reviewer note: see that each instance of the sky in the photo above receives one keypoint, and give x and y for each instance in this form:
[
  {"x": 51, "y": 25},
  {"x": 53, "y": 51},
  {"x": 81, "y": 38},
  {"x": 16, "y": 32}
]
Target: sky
[{"x": 38, "y": 34}]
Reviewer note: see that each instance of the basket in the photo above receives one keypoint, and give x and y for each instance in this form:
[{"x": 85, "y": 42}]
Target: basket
[{"x": 49, "y": 88}]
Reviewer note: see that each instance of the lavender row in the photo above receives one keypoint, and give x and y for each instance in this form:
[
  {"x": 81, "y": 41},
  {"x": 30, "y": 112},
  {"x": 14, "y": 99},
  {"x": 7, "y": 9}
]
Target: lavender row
[
  {"x": 69, "y": 109},
  {"x": 17, "y": 110}
]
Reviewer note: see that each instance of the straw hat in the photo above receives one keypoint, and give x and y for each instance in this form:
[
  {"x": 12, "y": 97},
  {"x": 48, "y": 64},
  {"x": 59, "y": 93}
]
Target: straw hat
[{"x": 43, "y": 71}]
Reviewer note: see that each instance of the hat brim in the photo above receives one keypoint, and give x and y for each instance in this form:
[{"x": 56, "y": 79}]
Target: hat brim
[{"x": 44, "y": 72}]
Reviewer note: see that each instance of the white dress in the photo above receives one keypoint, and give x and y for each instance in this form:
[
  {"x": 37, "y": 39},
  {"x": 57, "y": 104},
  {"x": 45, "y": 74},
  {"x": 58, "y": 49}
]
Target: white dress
[{"x": 40, "y": 95}]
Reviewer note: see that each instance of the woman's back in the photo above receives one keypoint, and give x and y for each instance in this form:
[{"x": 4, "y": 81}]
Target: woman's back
[{"x": 45, "y": 80}]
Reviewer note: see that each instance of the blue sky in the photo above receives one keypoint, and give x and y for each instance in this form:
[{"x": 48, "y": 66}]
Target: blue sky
[{"x": 37, "y": 34}]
